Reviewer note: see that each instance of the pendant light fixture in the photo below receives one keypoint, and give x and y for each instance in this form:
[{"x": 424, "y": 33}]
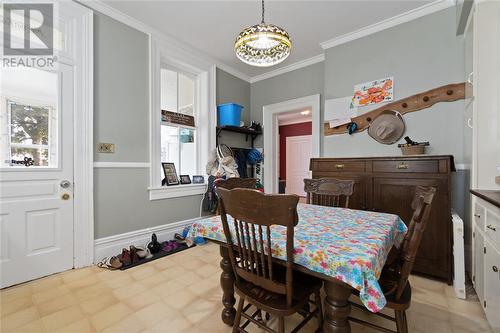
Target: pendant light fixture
[{"x": 263, "y": 45}]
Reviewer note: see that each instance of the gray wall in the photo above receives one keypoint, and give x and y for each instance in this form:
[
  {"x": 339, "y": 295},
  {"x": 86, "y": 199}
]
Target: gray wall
[
  {"x": 231, "y": 89},
  {"x": 421, "y": 55},
  {"x": 121, "y": 116},
  {"x": 299, "y": 83}
]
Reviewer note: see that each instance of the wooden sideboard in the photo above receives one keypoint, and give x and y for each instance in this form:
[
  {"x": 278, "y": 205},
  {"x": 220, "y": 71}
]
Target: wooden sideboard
[{"x": 387, "y": 184}]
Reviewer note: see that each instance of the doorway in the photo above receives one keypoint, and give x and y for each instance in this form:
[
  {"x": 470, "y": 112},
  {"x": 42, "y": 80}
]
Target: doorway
[
  {"x": 272, "y": 115},
  {"x": 295, "y": 144},
  {"x": 46, "y": 221}
]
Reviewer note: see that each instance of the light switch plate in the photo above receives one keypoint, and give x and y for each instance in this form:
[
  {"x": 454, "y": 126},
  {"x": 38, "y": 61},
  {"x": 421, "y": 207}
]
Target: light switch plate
[{"x": 107, "y": 148}]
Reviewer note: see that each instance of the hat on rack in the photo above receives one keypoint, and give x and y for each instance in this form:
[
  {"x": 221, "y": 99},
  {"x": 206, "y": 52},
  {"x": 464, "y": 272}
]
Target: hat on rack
[{"x": 388, "y": 127}]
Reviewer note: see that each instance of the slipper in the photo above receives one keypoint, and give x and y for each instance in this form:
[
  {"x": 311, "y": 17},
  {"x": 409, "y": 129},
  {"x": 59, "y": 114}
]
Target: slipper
[{"x": 110, "y": 263}]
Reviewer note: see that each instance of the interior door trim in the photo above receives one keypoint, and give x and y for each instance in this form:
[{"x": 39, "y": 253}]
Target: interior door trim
[{"x": 83, "y": 212}]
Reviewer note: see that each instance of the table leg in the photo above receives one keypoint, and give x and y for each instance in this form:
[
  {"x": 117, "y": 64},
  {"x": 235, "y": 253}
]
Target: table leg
[
  {"x": 337, "y": 308},
  {"x": 227, "y": 285}
]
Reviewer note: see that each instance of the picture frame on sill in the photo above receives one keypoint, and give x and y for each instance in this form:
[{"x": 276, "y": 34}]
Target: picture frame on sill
[
  {"x": 170, "y": 174},
  {"x": 185, "y": 179},
  {"x": 198, "y": 180}
]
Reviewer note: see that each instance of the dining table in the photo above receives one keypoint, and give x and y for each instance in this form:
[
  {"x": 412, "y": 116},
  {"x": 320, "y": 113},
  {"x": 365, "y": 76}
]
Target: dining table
[{"x": 346, "y": 248}]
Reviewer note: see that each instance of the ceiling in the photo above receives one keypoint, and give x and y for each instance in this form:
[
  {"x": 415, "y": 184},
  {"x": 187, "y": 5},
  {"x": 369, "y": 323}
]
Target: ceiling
[
  {"x": 293, "y": 118},
  {"x": 211, "y": 26}
]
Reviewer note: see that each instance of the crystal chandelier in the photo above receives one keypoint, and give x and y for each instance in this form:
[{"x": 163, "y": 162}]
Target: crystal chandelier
[{"x": 263, "y": 45}]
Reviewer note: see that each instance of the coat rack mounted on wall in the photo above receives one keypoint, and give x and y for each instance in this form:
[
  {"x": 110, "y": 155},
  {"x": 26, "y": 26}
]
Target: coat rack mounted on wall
[{"x": 447, "y": 93}]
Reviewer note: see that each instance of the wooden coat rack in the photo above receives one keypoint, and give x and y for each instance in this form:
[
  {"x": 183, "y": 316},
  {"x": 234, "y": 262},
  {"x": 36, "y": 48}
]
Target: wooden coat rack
[{"x": 448, "y": 93}]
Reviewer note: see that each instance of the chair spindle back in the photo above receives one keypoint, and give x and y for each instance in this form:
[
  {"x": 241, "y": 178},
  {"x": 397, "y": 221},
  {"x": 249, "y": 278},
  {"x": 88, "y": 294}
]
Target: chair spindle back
[
  {"x": 231, "y": 183},
  {"x": 328, "y": 191},
  {"x": 253, "y": 213},
  {"x": 421, "y": 205}
]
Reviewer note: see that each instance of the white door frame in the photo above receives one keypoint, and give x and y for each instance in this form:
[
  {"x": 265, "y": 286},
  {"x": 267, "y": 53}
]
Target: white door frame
[
  {"x": 83, "y": 211},
  {"x": 271, "y": 133}
]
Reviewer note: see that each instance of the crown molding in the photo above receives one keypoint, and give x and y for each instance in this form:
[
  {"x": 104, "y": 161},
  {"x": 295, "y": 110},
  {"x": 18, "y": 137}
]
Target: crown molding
[
  {"x": 389, "y": 23},
  {"x": 173, "y": 43},
  {"x": 289, "y": 68},
  {"x": 234, "y": 72}
]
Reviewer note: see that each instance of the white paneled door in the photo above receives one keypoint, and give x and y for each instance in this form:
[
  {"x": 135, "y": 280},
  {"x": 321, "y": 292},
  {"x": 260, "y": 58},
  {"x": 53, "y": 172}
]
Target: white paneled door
[
  {"x": 36, "y": 201},
  {"x": 298, "y": 155}
]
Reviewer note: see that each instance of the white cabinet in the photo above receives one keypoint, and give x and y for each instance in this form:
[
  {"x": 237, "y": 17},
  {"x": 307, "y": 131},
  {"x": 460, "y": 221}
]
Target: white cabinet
[
  {"x": 486, "y": 89},
  {"x": 492, "y": 285},
  {"x": 486, "y": 265}
]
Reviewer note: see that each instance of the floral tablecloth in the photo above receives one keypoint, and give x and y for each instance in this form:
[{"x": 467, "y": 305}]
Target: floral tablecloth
[{"x": 349, "y": 245}]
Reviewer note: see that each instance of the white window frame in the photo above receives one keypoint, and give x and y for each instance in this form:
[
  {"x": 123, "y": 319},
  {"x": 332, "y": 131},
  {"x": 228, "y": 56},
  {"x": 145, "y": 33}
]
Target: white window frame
[
  {"x": 204, "y": 105},
  {"x": 5, "y": 123},
  {"x": 179, "y": 127}
]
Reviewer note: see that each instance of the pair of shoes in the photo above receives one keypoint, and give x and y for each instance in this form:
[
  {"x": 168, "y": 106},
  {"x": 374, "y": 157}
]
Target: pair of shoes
[
  {"x": 170, "y": 245},
  {"x": 125, "y": 257},
  {"x": 111, "y": 263},
  {"x": 141, "y": 252},
  {"x": 134, "y": 257}
]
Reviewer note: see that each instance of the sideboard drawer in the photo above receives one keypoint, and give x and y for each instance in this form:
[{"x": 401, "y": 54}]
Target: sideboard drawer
[
  {"x": 340, "y": 166},
  {"x": 429, "y": 166}
]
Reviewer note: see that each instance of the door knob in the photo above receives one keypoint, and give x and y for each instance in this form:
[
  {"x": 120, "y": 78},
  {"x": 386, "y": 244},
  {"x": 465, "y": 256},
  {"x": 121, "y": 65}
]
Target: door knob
[
  {"x": 495, "y": 269},
  {"x": 65, "y": 183}
]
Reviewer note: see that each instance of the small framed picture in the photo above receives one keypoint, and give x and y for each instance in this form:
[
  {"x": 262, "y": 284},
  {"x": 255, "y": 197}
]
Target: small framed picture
[
  {"x": 185, "y": 179},
  {"x": 198, "y": 180},
  {"x": 170, "y": 174}
]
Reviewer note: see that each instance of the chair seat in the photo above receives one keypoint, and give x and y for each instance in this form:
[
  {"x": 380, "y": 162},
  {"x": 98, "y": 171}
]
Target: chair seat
[{"x": 274, "y": 303}]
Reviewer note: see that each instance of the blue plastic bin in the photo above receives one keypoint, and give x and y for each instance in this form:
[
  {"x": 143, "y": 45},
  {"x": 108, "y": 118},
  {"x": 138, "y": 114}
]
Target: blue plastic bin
[{"x": 229, "y": 114}]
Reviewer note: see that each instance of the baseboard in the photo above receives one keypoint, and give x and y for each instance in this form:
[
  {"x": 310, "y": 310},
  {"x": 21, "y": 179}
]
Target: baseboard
[{"x": 112, "y": 245}]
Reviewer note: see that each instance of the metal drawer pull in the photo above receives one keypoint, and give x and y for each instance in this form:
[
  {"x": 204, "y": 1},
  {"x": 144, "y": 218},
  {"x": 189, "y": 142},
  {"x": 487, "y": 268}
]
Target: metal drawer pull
[
  {"x": 403, "y": 166},
  {"x": 489, "y": 226},
  {"x": 339, "y": 166},
  {"x": 477, "y": 215},
  {"x": 495, "y": 269}
]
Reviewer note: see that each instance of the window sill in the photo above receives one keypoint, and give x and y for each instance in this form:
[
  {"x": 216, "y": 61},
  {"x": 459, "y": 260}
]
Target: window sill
[{"x": 176, "y": 191}]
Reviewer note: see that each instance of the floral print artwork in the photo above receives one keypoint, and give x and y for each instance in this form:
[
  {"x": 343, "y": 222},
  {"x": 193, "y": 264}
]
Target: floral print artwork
[{"x": 348, "y": 245}]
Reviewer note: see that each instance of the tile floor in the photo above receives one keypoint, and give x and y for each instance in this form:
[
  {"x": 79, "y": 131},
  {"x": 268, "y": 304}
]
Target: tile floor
[{"x": 180, "y": 293}]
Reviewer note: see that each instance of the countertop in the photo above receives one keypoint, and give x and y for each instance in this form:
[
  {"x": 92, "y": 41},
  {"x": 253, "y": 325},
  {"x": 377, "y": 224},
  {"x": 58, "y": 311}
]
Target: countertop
[{"x": 493, "y": 197}]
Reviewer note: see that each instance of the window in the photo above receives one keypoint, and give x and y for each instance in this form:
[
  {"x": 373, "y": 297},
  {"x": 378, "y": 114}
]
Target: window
[
  {"x": 178, "y": 126},
  {"x": 28, "y": 126},
  {"x": 30, "y": 131}
]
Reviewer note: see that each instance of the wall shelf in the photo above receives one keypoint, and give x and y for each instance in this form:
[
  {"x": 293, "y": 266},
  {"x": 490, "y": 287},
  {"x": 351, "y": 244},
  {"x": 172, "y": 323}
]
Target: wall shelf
[{"x": 235, "y": 129}]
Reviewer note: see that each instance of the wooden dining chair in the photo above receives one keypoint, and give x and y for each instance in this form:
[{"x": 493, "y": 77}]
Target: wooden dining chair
[
  {"x": 329, "y": 191},
  {"x": 259, "y": 281},
  {"x": 394, "y": 278},
  {"x": 231, "y": 183}
]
